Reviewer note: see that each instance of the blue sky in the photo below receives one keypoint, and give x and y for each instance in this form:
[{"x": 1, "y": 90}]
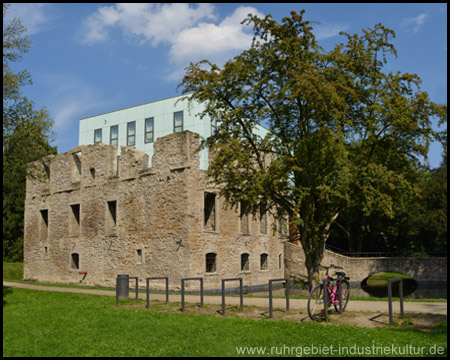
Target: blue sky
[{"x": 87, "y": 59}]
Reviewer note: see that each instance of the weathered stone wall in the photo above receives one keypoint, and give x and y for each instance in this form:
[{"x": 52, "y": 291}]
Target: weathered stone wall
[
  {"x": 423, "y": 270},
  {"x": 122, "y": 217}
]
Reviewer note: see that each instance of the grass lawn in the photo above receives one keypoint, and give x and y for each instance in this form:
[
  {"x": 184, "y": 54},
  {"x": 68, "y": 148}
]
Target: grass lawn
[
  {"x": 38, "y": 323},
  {"x": 12, "y": 271}
]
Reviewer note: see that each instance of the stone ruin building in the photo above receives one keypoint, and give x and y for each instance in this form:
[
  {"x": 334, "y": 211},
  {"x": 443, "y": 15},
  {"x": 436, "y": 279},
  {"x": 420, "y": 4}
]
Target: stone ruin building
[{"x": 100, "y": 210}]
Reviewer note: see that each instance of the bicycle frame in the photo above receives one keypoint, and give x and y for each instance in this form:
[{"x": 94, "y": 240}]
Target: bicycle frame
[
  {"x": 326, "y": 294},
  {"x": 332, "y": 294}
]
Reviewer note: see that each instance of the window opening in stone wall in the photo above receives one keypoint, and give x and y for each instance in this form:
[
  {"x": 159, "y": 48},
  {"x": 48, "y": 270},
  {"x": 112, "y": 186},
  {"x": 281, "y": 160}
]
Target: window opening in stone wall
[
  {"x": 44, "y": 224},
  {"x": 283, "y": 229},
  {"x": 149, "y": 131},
  {"x": 244, "y": 219},
  {"x": 74, "y": 220},
  {"x": 45, "y": 250},
  {"x": 245, "y": 262},
  {"x": 97, "y": 136},
  {"x": 75, "y": 261},
  {"x": 76, "y": 167},
  {"x": 131, "y": 133},
  {"x": 210, "y": 211},
  {"x": 211, "y": 266},
  {"x": 280, "y": 261},
  {"x": 111, "y": 218},
  {"x": 178, "y": 121},
  {"x": 117, "y": 165},
  {"x": 114, "y": 135},
  {"x": 139, "y": 256},
  {"x": 262, "y": 219},
  {"x": 92, "y": 170},
  {"x": 264, "y": 262},
  {"x": 47, "y": 171}
]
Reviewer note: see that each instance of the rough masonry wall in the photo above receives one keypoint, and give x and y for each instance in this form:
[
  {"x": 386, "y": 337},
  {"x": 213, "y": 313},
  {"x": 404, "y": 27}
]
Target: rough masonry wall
[
  {"x": 91, "y": 215},
  {"x": 423, "y": 270}
]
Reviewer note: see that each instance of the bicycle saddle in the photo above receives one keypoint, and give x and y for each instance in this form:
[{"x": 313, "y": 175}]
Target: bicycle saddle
[{"x": 340, "y": 273}]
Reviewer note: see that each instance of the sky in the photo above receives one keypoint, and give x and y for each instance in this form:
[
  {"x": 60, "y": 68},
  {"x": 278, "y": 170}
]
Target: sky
[{"x": 87, "y": 59}]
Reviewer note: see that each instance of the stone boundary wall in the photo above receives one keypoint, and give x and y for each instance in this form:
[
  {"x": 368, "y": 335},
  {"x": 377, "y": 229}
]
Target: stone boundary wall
[{"x": 423, "y": 270}]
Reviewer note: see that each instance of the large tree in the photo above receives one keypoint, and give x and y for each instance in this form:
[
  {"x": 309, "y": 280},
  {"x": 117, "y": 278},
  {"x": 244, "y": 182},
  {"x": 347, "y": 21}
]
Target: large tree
[
  {"x": 341, "y": 132},
  {"x": 26, "y": 136}
]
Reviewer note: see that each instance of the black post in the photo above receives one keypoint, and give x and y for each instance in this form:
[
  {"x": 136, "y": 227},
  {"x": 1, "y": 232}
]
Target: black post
[
  {"x": 241, "y": 295},
  {"x": 340, "y": 294},
  {"x": 400, "y": 290},
  {"x": 137, "y": 280},
  {"x": 325, "y": 298},
  {"x": 148, "y": 288},
  {"x": 270, "y": 298},
  {"x": 241, "y": 288},
  {"x": 390, "y": 300},
  {"x": 182, "y": 291},
  {"x": 182, "y": 295},
  {"x": 270, "y": 294},
  {"x": 223, "y": 296},
  {"x": 287, "y": 294},
  {"x": 167, "y": 290},
  {"x": 117, "y": 290}
]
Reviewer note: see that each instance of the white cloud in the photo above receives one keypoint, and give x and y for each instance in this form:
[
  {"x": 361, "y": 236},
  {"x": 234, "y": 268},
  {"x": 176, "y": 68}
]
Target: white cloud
[
  {"x": 35, "y": 17},
  {"x": 215, "y": 42},
  {"x": 414, "y": 24},
  {"x": 190, "y": 31},
  {"x": 154, "y": 23}
]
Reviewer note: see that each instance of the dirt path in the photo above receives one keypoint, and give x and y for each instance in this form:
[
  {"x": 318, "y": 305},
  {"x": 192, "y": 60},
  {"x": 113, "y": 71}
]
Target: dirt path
[{"x": 295, "y": 304}]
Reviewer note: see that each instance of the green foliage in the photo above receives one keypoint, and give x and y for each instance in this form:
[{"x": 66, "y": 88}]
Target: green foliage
[
  {"x": 431, "y": 218},
  {"x": 26, "y": 136},
  {"x": 343, "y": 134}
]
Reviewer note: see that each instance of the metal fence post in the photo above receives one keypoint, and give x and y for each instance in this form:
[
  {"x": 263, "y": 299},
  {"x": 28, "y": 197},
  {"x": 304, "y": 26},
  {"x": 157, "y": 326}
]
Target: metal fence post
[
  {"x": 400, "y": 290},
  {"x": 270, "y": 298},
  {"x": 270, "y": 294},
  {"x": 325, "y": 298},
  {"x": 241, "y": 295},
  {"x": 223, "y": 296},
  {"x": 287, "y": 294},
  {"x": 137, "y": 281},
  {"x": 339, "y": 287},
  {"x": 148, "y": 288},
  {"x": 182, "y": 295},
  {"x": 241, "y": 291},
  {"x": 182, "y": 291}
]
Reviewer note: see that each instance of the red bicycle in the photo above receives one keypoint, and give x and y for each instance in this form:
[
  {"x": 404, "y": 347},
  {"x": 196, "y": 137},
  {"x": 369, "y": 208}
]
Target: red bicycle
[{"x": 316, "y": 310}]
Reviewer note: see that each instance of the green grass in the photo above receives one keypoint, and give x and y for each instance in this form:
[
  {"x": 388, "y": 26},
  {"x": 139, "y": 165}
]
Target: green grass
[
  {"x": 38, "y": 323},
  {"x": 381, "y": 279},
  {"x": 12, "y": 271}
]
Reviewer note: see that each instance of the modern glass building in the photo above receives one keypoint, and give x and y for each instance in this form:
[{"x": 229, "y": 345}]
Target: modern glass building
[{"x": 141, "y": 125}]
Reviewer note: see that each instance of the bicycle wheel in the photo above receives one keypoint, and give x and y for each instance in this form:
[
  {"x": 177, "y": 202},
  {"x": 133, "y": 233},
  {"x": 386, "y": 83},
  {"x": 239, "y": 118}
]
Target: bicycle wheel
[
  {"x": 315, "y": 303},
  {"x": 345, "y": 294}
]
